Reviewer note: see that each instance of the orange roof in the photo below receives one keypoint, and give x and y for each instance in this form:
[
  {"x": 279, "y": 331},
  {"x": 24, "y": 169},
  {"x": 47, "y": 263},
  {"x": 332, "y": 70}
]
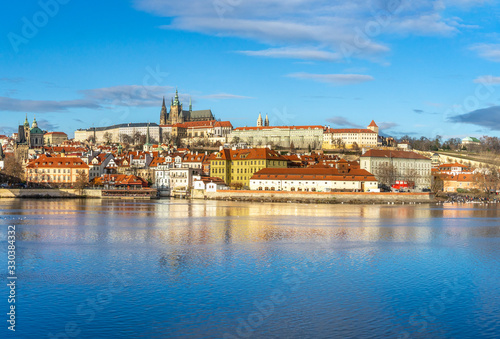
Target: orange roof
[
  {"x": 376, "y": 153},
  {"x": 276, "y": 127},
  {"x": 223, "y": 124},
  {"x": 459, "y": 177},
  {"x": 60, "y": 133},
  {"x": 372, "y": 124},
  {"x": 57, "y": 162},
  {"x": 453, "y": 165},
  {"x": 313, "y": 173},
  {"x": 349, "y": 130}
]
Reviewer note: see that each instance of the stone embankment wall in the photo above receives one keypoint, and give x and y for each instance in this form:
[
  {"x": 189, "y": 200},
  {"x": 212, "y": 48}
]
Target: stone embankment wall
[
  {"x": 48, "y": 193},
  {"x": 316, "y": 197}
]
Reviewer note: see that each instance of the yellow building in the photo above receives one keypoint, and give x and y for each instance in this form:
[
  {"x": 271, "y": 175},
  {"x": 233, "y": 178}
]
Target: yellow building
[{"x": 238, "y": 166}]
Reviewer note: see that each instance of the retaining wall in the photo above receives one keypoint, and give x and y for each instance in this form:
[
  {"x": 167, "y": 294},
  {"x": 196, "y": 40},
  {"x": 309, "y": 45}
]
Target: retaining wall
[{"x": 317, "y": 197}]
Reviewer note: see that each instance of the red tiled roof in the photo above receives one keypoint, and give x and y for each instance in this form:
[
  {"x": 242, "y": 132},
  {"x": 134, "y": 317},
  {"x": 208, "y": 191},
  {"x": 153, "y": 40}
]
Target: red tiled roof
[
  {"x": 373, "y": 124},
  {"x": 313, "y": 173},
  {"x": 376, "y": 153},
  {"x": 59, "y": 133},
  {"x": 57, "y": 162},
  {"x": 223, "y": 124},
  {"x": 349, "y": 130}
]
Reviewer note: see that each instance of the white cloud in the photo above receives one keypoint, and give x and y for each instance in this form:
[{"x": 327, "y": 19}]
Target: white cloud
[
  {"x": 487, "y": 79},
  {"x": 337, "y": 79},
  {"x": 295, "y": 53},
  {"x": 487, "y": 51},
  {"x": 104, "y": 98},
  {"x": 222, "y": 96},
  {"x": 330, "y": 26}
]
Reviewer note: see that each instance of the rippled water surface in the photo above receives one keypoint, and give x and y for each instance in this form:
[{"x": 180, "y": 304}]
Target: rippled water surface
[{"x": 180, "y": 269}]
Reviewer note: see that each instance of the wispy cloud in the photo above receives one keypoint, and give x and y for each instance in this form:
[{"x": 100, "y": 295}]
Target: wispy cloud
[
  {"x": 487, "y": 79},
  {"x": 14, "y": 80},
  {"x": 104, "y": 98},
  {"x": 337, "y": 79},
  {"x": 343, "y": 122},
  {"x": 421, "y": 111},
  {"x": 43, "y": 106},
  {"x": 295, "y": 53},
  {"x": 486, "y": 117},
  {"x": 386, "y": 125},
  {"x": 129, "y": 95},
  {"x": 299, "y": 24},
  {"x": 47, "y": 125},
  {"x": 222, "y": 96},
  {"x": 487, "y": 51}
]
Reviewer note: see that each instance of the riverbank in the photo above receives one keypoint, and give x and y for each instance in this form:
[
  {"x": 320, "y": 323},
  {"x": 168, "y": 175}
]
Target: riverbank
[
  {"x": 62, "y": 193},
  {"x": 315, "y": 197}
]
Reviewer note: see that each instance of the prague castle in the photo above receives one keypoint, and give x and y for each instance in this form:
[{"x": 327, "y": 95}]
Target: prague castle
[{"x": 178, "y": 116}]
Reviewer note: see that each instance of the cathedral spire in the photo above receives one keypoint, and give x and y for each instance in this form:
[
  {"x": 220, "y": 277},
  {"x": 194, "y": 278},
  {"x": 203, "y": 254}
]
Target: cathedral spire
[
  {"x": 190, "y": 105},
  {"x": 176, "y": 100},
  {"x": 259, "y": 120},
  {"x": 266, "y": 122},
  {"x": 26, "y": 122},
  {"x": 34, "y": 124}
]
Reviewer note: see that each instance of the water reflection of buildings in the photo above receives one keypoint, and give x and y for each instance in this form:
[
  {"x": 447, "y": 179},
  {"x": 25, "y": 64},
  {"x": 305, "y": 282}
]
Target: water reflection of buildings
[{"x": 180, "y": 222}]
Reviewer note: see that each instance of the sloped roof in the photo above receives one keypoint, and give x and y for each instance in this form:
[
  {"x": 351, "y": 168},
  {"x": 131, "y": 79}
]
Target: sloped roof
[{"x": 375, "y": 153}]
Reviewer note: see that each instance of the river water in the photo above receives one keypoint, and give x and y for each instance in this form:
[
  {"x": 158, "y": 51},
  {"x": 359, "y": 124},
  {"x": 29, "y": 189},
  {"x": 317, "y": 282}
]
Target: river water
[{"x": 216, "y": 269}]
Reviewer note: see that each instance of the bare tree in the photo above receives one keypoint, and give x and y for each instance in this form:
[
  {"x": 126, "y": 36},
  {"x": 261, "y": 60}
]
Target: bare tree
[
  {"x": 488, "y": 180},
  {"x": 82, "y": 181},
  {"x": 13, "y": 167},
  {"x": 386, "y": 173},
  {"x": 108, "y": 137},
  {"x": 437, "y": 184},
  {"x": 127, "y": 139}
]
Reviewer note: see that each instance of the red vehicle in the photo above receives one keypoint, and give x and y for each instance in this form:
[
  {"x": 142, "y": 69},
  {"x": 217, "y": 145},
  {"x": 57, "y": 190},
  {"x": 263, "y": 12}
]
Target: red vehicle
[{"x": 402, "y": 185}]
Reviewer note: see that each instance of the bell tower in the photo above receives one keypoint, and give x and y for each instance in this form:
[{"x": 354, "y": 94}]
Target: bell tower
[{"x": 175, "y": 115}]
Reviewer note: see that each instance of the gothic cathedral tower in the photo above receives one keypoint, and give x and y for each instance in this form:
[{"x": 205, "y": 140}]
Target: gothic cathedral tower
[
  {"x": 175, "y": 115},
  {"x": 163, "y": 114}
]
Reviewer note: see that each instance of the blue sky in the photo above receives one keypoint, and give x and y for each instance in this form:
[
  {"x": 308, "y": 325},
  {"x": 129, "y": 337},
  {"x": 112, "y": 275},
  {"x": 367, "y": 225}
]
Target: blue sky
[{"x": 415, "y": 67}]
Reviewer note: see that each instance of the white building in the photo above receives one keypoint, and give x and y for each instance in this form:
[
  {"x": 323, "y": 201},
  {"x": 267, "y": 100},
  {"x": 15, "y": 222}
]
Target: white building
[
  {"x": 349, "y": 137},
  {"x": 398, "y": 165},
  {"x": 284, "y": 136},
  {"x": 117, "y": 132},
  {"x": 313, "y": 180},
  {"x": 98, "y": 164}
]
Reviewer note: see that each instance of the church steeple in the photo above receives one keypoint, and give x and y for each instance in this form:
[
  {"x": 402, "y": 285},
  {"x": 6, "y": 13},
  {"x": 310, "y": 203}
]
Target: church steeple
[
  {"x": 163, "y": 113},
  {"x": 176, "y": 100},
  {"x": 34, "y": 124},
  {"x": 266, "y": 122},
  {"x": 259, "y": 120},
  {"x": 26, "y": 122},
  {"x": 190, "y": 105}
]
